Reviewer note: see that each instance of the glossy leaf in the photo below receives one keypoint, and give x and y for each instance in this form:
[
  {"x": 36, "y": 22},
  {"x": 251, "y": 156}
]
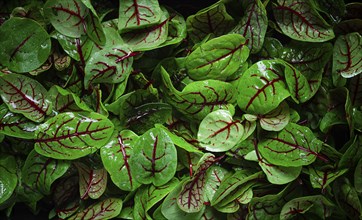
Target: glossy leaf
[
  {"x": 347, "y": 55},
  {"x": 8, "y": 178},
  {"x": 299, "y": 20},
  {"x": 25, "y": 50},
  {"x": 16, "y": 125},
  {"x": 213, "y": 20},
  {"x": 157, "y": 193},
  {"x": 67, "y": 16},
  {"x": 253, "y": 24},
  {"x": 261, "y": 88},
  {"x": 214, "y": 176},
  {"x": 218, "y": 132},
  {"x": 322, "y": 178},
  {"x": 138, "y": 14},
  {"x": 294, "y": 146},
  {"x": 65, "y": 101},
  {"x": 115, "y": 157},
  {"x": 347, "y": 198},
  {"x": 218, "y": 58},
  {"x": 106, "y": 209},
  {"x": 40, "y": 172},
  {"x": 25, "y": 95},
  {"x": 154, "y": 158},
  {"x": 90, "y": 132},
  {"x": 95, "y": 29},
  {"x": 92, "y": 182},
  {"x": 176, "y": 29},
  {"x": 277, "y": 119}
]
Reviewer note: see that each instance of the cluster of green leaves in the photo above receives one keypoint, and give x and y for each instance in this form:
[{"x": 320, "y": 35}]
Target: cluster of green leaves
[{"x": 247, "y": 109}]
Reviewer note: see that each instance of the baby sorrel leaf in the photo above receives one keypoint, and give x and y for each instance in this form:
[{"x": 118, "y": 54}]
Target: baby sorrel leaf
[
  {"x": 299, "y": 20},
  {"x": 294, "y": 146},
  {"x": 16, "y": 125},
  {"x": 218, "y": 58},
  {"x": 154, "y": 158},
  {"x": 92, "y": 182},
  {"x": 90, "y": 132},
  {"x": 95, "y": 29},
  {"x": 25, "y": 95},
  {"x": 261, "y": 88},
  {"x": 8, "y": 177},
  {"x": 347, "y": 55},
  {"x": 115, "y": 157},
  {"x": 322, "y": 178},
  {"x": 40, "y": 172},
  {"x": 67, "y": 16},
  {"x": 218, "y": 132},
  {"x": 277, "y": 119},
  {"x": 25, "y": 50},
  {"x": 106, "y": 209},
  {"x": 211, "y": 20},
  {"x": 253, "y": 24},
  {"x": 109, "y": 65},
  {"x": 136, "y": 14},
  {"x": 65, "y": 101}
]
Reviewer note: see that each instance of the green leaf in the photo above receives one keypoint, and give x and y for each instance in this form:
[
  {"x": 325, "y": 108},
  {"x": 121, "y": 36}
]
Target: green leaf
[
  {"x": 25, "y": 50},
  {"x": 8, "y": 178},
  {"x": 154, "y": 158},
  {"x": 26, "y": 96},
  {"x": 95, "y": 29},
  {"x": 90, "y": 131},
  {"x": 347, "y": 55},
  {"x": 277, "y": 119},
  {"x": 358, "y": 176},
  {"x": 138, "y": 14},
  {"x": 299, "y": 20},
  {"x": 214, "y": 176},
  {"x": 176, "y": 29},
  {"x": 157, "y": 193},
  {"x": 294, "y": 146},
  {"x": 261, "y": 88},
  {"x": 218, "y": 132},
  {"x": 218, "y": 58},
  {"x": 40, "y": 172},
  {"x": 92, "y": 182},
  {"x": 106, "y": 209},
  {"x": 253, "y": 24},
  {"x": 322, "y": 178},
  {"x": 347, "y": 198},
  {"x": 115, "y": 157},
  {"x": 67, "y": 16},
  {"x": 65, "y": 101}
]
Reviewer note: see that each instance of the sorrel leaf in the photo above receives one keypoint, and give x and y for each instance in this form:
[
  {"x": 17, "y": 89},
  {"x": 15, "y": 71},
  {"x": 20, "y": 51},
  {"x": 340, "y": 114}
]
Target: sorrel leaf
[
  {"x": 300, "y": 21},
  {"x": 54, "y": 138},
  {"x": 347, "y": 57},
  {"x": 95, "y": 29},
  {"x": 214, "y": 176},
  {"x": 154, "y": 158},
  {"x": 26, "y": 96},
  {"x": 213, "y": 20},
  {"x": 67, "y": 16},
  {"x": 92, "y": 182},
  {"x": 218, "y": 58},
  {"x": 294, "y": 146},
  {"x": 106, "y": 209},
  {"x": 218, "y": 132},
  {"x": 261, "y": 88},
  {"x": 65, "y": 101},
  {"x": 277, "y": 119},
  {"x": 136, "y": 14},
  {"x": 40, "y": 172},
  {"x": 253, "y": 24},
  {"x": 26, "y": 50},
  {"x": 8, "y": 178},
  {"x": 116, "y": 159},
  {"x": 322, "y": 178}
]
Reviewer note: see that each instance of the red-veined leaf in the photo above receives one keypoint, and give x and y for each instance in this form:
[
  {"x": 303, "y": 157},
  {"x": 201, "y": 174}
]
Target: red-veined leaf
[
  {"x": 214, "y": 176},
  {"x": 277, "y": 119},
  {"x": 65, "y": 101},
  {"x": 299, "y": 20},
  {"x": 92, "y": 182},
  {"x": 89, "y": 132},
  {"x": 322, "y": 178},
  {"x": 106, "y": 209},
  {"x": 25, "y": 95},
  {"x": 95, "y": 29},
  {"x": 66, "y": 196},
  {"x": 8, "y": 178},
  {"x": 355, "y": 88}
]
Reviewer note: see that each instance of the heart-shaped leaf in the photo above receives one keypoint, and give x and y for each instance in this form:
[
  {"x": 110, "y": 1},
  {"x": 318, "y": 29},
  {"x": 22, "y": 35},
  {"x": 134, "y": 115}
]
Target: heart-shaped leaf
[
  {"x": 347, "y": 55},
  {"x": 300, "y": 21},
  {"x": 154, "y": 158},
  {"x": 253, "y": 24},
  {"x": 26, "y": 50},
  {"x": 67, "y": 16},
  {"x": 294, "y": 146},
  {"x": 54, "y": 138},
  {"x": 8, "y": 178},
  {"x": 218, "y": 58},
  {"x": 92, "y": 182},
  {"x": 277, "y": 119},
  {"x": 25, "y": 95},
  {"x": 106, "y": 209},
  {"x": 115, "y": 157},
  {"x": 136, "y": 14},
  {"x": 218, "y": 132},
  {"x": 261, "y": 88},
  {"x": 40, "y": 172}
]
